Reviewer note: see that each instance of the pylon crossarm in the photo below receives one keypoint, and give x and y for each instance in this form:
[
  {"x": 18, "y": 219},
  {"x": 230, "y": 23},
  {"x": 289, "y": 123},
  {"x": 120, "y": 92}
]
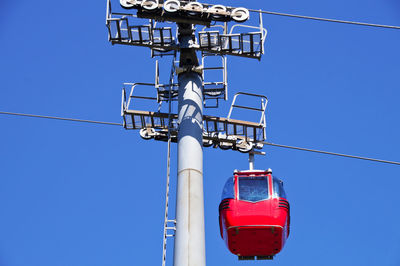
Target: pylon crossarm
[
  {"x": 128, "y": 29},
  {"x": 217, "y": 131}
]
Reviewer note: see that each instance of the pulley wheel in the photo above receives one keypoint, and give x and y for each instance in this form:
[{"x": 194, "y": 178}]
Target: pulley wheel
[
  {"x": 127, "y": 3},
  {"x": 196, "y": 7},
  {"x": 147, "y": 133},
  {"x": 225, "y": 145},
  {"x": 207, "y": 143},
  {"x": 240, "y": 14},
  {"x": 150, "y": 5},
  {"x": 244, "y": 146},
  {"x": 214, "y": 10},
  {"x": 172, "y": 6}
]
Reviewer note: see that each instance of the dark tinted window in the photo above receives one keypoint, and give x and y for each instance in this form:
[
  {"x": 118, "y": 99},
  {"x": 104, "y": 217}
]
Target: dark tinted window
[
  {"x": 228, "y": 192},
  {"x": 279, "y": 192},
  {"x": 253, "y": 188}
]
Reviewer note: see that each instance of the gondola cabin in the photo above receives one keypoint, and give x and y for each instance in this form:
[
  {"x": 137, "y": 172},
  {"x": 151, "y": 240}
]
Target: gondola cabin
[{"x": 254, "y": 215}]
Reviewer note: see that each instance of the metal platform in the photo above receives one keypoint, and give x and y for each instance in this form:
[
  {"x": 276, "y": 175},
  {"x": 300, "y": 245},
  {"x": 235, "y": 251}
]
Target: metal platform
[
  {"x": 223, "y": 132},
  {"x": 218, "y": 131},
  {"x": 220, "y": 38},
  {"x": 215, "y": 81},
  {"x": 127, "y": 29},
  {"x": 238, "y": 40}
]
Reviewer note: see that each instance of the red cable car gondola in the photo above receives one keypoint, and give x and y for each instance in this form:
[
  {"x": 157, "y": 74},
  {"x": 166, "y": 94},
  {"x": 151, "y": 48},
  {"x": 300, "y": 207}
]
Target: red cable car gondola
[{"x": 254, "y": 215}]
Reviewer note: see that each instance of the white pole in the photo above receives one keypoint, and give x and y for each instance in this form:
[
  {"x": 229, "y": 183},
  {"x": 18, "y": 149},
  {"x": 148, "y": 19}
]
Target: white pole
[
  {"x": 189, "y": 247},
  {"x": 251, "y": 160}
]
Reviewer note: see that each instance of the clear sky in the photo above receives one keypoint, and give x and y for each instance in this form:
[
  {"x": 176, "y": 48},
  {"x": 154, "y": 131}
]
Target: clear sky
[{"x": 87, "y": 195}]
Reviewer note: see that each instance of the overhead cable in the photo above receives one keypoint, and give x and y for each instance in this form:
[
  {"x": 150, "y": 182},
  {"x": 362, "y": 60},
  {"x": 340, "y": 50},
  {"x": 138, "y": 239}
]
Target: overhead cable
[
  {"x": 63, "y": 118},
  {"x": 331, "y": 153},
  {"x": 327, "y": 19},
  {"x": 265, "y": 143}
]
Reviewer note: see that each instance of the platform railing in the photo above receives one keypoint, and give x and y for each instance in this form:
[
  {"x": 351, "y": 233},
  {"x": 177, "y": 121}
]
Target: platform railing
[
  {"x": 261, "y": 110},
  {"x": 127, "y": 29},
  {"x": 248, "y": 43}
]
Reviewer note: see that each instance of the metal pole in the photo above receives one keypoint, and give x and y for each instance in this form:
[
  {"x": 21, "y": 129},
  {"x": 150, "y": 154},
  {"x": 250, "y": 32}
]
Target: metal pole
[
  {"x": 190, "y": 236},
  {"x": 251, "y": 160},
  {"x": 189, "y": 247}
]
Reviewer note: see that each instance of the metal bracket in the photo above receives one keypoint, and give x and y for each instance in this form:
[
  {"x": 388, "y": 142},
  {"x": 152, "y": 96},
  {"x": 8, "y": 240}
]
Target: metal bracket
[{"x": 197, "y": 69}]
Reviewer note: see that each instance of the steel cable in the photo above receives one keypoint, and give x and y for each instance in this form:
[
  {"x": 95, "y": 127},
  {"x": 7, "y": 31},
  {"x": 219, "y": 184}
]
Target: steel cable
[
  {"x": 327, "y": 19},
  {"x": 63, "y": 118},
  {"x": 331, "y": 153},
  {"x": 265, "y": 143}
]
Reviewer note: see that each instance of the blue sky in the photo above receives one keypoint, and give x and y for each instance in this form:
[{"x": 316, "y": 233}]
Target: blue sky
[{"x": 81, "y": 194}]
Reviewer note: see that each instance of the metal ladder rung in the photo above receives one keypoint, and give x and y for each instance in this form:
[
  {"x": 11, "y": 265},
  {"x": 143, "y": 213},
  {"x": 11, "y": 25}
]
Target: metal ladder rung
[
  {"x": 143, "y": 97},
  {"x": 249, "y": 108},
  {"x": 212, "y": 68},
  {"x": 213, "y": 83}
]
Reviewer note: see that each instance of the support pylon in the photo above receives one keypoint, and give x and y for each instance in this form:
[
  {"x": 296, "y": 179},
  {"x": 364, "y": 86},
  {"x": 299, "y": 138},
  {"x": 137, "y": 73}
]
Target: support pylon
[{"x": 190, "y": 234}]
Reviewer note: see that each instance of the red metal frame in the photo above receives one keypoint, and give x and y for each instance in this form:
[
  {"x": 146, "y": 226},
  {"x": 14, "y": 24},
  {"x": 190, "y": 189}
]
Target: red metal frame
[{"x": 254, "y": 228}]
